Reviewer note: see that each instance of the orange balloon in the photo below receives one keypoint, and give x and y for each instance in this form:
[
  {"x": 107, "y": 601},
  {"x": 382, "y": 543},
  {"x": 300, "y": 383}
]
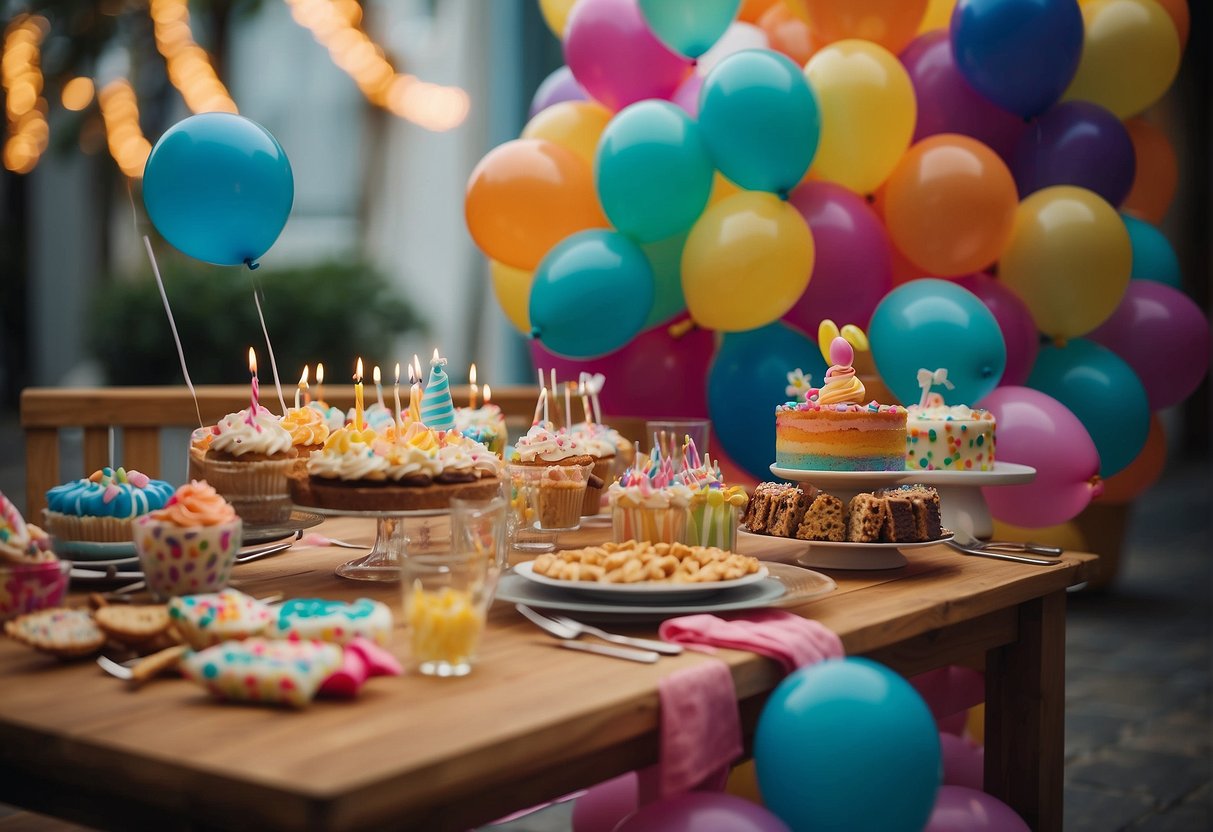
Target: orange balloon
[
  {"x": 1177, "y": 10},
  {"x": 789, "y": 34},
  {"x": 904, "y": 271},
  {"x": 1142, "y": 472},
  {"x": 891, "y": 23},
  {"x": 950, "y": 205},
  {"x": 1157, "y": 172},
  {"x": 527, "y": 195},
  {"x": 752, "y": 10}
]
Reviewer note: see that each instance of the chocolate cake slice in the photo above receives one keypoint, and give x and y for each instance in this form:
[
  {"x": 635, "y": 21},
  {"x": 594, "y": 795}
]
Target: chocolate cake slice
[
  {"x": 787, "y": 513},
  {"x": 866, "y": 518},
  {"x": 825, "y": 519},
  {"x": 925, "y": 501},
  {"x": 900, "y": 523},
  {"x": 758, "y": 512}
]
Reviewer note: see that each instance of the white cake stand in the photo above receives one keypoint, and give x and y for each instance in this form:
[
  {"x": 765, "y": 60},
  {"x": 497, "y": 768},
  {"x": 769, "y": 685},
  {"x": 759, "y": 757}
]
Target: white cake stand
[{"x": 961, "y": 502}]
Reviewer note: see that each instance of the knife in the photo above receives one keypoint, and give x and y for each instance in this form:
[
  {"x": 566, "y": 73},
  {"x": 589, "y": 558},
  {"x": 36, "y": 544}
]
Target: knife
[{"x": 629, "y": 653}]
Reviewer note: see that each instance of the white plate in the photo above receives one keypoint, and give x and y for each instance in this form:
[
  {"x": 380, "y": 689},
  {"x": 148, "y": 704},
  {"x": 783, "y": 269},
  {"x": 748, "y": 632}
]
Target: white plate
[
  {"x": 786, "y": 586},
  {"x": 819, "y": 554},
  {"x": 643, "y": 590},
  {"x": 1004, "y": 473}
]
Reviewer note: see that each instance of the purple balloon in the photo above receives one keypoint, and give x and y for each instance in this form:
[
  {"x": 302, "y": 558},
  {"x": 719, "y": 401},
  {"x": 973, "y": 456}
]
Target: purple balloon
[
  {"x": 1015, "y": 321},
  {"x": 616, "y": 57},
  {"x": 702, "y": 812},
  {"x": 853, "y": 267},
  {"x": 958, "y": 809},
  {"x": 1037, "y": 430},
  {"x": 557, "y": 87},
  {"x": 656, "y": 376},
  {"x": 605, "y": 805},
  {"x": 687, "y": 94},
  {"x": 1161, "y": 333},
  {"x": 946, "y": 102},
  {"x": 963, "y": 762},
  {"x": 1076, "y": 143}
]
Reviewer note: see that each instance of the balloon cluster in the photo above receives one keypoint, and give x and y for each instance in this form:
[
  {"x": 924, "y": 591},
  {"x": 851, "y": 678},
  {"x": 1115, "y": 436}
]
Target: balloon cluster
[{"x": 967, "y": 178}]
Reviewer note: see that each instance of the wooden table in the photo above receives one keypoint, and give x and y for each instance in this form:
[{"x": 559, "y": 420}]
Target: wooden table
[{"x": 529, "y": 724}]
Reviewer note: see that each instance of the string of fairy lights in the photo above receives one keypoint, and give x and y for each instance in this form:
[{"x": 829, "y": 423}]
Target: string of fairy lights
[{"x": 335, "y": 24}]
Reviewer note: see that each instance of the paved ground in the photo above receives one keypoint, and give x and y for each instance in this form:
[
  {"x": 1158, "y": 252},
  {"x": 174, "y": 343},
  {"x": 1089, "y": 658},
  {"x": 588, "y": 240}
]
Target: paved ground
[{"x": 1139, "y": 737}]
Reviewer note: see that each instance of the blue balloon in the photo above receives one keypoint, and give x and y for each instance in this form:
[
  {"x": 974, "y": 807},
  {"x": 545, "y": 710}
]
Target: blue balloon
[
  {"x": 689, "y": 26},
  {"x": 1103, "y": 392},
  {"x": 652, "y": 171},
  {"x": 760, "y": 120},
  {"x": 848, "y": 745},
  {"x": 748, "y": 378},
  {"x": 1019, "y": 54},
  {"x": 1153, "y": 257},
  {"x": 929, "y": 324},
  {"x": 219, "y": 188},
  {"x": 591, "y": 294}
]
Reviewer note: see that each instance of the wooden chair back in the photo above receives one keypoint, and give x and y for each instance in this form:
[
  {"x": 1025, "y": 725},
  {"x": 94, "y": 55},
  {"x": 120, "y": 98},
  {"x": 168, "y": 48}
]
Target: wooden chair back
[{"x": 140, "y": 413}]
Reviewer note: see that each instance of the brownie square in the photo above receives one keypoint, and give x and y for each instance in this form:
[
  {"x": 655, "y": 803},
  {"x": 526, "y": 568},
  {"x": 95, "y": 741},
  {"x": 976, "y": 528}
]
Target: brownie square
[
  {"x": 825, "y": 519},
  {"x": 865, "y": 518},
  {"x": 787, "y": 513}
]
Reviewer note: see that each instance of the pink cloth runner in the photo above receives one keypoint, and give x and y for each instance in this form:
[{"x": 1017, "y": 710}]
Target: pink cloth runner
[{"x": 700, "y": 725}]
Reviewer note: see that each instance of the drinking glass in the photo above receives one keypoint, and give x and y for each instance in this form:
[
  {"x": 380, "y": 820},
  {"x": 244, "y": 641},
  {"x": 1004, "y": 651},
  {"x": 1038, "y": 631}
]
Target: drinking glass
[
  {"x": 446, "y": 598},
  {"x": 551, "y": 495},
  {"x": 478, "y": 527},
  {"x": 668, "y": 435}
]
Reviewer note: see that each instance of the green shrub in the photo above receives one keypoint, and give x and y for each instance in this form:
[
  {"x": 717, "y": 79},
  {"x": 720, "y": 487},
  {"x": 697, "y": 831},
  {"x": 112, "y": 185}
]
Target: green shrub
[{"x": 331, "y": 313}]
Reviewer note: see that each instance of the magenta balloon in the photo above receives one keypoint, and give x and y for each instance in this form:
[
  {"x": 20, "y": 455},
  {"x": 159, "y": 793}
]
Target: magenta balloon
[
  {"x": 616, "y": 57},
  {"x": 687, "y": 94},
  {"x": 1161, "y": 333},
  {"x": 558, "y": 87},
  {"x": 958, "y": 809},
  {"x": 702, "y": 812},
  {"x": 655, "y": 376},
  {"x": 1015, "y": 321},
  {"x": 605, "y": 805},
  {"x": 963, "y": 762},
  {"x": 853, "y": 266},
  {"x": 946, "y": 102},
  {"x": 1037, "y": 430}
]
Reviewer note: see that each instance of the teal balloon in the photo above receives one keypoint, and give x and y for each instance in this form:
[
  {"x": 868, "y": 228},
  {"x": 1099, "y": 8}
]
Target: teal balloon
[
  {"x": 1103, "y": 392},
  {"x": 760, "y": 120},
  {"x": 847, "y": 744},
  {"x": 747, "y": 380},
  {"x": 219, "y": 188},
  {"x": 665, "y": 257},
  {"x": 591, "y": 294},
  {"x": 1153, "y": 257},
  {"x": 931, "y": 324},
  {"x": 689, "y": 26},
  {"x": 652, "y": 171}
]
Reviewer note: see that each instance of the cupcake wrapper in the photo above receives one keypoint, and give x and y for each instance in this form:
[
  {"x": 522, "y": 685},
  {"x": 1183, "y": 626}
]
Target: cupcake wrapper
[
  {"x": 180, "y": 560},
  {"x": 713, "y": 526},
  {"x": 559, "y": 507},
  {"x": 655, "y": 525},
  {"x": 604, "y": 469},
  {"x": 92, "y": 529},
  {"x": 257, "y": 490},
  {"x": 29, "y": 588}
]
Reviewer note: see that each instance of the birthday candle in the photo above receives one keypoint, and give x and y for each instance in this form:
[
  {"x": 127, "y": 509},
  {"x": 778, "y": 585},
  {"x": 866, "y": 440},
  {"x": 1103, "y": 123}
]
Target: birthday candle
[
  {"x": 378, "y": 384},
  {"x": 320, "y": 382},
  {"x": 488, "y": 395},
  {"x": 414, "y": 391},
  {"x": 568, "y": 404},
  {"x": 472, "y": 387},
  {"x": 543, "y": 394},
  {"x": 437, "y": 409},
  {"x": 553, "y": 372},
  {"x": 585, "y": 402},
  {"x": 358, "y": 395},
  {"x": 252, "y": 368},
  {"x": 302, "y": 388}
]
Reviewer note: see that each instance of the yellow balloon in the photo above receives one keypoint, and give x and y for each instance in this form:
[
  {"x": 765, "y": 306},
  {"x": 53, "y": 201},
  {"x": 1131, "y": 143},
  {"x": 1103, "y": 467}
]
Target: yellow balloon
[
  {"x": 746, "y": 262},
  {"x": 576, "y": 125},
  {"x": 975, "y": 724},
  {"x": 1066, "y": 535},
  {"x": 867, "y": 113},
  {"x": 1130, "y": 54},
  {"x": 938, "y": 16},
  {"x": 556, "y": 14},
  {"x": 513, "y": 290},
  {"x": 722, "y": 189},
  {"x": 1069, "y": 259},
  {"x": 743, "y": 782}
]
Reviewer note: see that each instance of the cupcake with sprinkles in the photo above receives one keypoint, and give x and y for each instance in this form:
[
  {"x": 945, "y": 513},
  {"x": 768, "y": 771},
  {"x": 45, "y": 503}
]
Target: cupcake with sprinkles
[
  {"x": 101, "y": 507},
  {"x": 248, "y": 459},
  {"x": 190, "y": 545}
]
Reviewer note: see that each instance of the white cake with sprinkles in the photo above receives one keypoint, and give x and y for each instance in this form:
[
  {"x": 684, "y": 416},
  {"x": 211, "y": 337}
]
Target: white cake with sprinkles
[{"x": 943, "y": 437}]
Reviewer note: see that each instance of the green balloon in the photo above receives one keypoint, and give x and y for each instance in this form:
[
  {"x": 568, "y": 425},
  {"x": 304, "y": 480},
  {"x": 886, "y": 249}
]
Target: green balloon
[
  {"x": 653, "y": 172},
  {"x": 689, "y": 26}
]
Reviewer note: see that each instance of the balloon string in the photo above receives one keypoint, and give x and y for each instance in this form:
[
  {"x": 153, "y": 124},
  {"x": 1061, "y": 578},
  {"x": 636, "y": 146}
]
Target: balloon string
[
  {"x": 269, "y": 347},
  {"x": 173, "y": 326},
  {"x": 681, "y": 328}
]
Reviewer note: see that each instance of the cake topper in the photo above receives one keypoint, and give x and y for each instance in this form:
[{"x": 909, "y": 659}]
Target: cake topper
[{"x": 928, "y": 379}]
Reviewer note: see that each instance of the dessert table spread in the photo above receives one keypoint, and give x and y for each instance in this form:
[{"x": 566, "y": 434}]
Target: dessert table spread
[{"x": 530, "y": 723}]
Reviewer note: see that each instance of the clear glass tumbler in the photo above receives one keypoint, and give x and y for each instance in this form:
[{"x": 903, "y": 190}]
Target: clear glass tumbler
[
  {"x": 668, "y": 436},
  {"x": 478, "y": 528},
  {"x": 552, "y": 494},
  {"x": 446, "y": 598}
]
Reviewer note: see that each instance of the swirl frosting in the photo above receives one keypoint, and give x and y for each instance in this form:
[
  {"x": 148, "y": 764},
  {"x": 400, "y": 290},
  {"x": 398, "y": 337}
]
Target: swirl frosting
[
  {"x": 842, "y": 384},
  {"x": 237, "y": 434},
  {"x": 333, "y": 417},
  {"x": 306, "y": 426},
  {"x": 543, "y": 443},
  {"x": 195, "y": 504},
  {"x": 348, "y": 455},
  {"x": 110, "y": 493},
  {"x": 948, "y": 413}
]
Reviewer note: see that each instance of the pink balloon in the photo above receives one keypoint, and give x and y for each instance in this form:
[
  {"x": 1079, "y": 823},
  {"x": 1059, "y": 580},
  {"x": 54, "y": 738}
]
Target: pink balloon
[
  {"x": 616, "y": 57},
  {"x": 958, "y": 809},
  {"x": 702, "y": 812},
  {"x": 950, "y": 690},
  {"x": 1162, "y": 334},
  {"x": 853, "y": 267},
  {"x": 1015, "y": 321},
  {"x": 687, "y": 94},
  {"x": 605, "y": 805},
  {"x": 655, "y": 376},
  {"x": 963, "y": 762},
  {"x": 1037, "y": 430}
]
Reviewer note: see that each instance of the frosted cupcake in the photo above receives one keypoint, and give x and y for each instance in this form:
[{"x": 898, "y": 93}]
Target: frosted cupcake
[
  {"x": 601, "y": 446},
  {"x": 333, "y": 417},
  {"x": 31, "y": 577},
  {"x": 308, "y": 432},
  {"x": 648, "y": 505},
  {"x": 100, "y": 508},
  {"x": 485, "y": 425},
  {"x": 190, "y": 545},
  {"x": 714, "y": 509},
  {"x": 247, "y": 461}
]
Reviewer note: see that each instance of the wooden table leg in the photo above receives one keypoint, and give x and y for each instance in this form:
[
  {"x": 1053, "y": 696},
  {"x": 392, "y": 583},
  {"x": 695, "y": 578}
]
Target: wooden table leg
[{"x": 1025, "y": 715}]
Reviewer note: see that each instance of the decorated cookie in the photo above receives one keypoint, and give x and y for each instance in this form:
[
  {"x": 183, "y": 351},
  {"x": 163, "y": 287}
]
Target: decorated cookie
[
  {"x": 133, "y": 625},
  {"x": 204, "y": 620},
  {"x": 65, "y": 633},
  {"x": 264, "y": 670},
  {"x": 304, "y": 619}
]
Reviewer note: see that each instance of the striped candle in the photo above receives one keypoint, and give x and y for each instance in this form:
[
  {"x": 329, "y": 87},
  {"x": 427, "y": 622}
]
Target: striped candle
[{"x": 437, "y": 409}]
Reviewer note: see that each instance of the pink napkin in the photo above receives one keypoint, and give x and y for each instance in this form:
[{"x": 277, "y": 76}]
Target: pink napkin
[{"x": 700, "y": 725}]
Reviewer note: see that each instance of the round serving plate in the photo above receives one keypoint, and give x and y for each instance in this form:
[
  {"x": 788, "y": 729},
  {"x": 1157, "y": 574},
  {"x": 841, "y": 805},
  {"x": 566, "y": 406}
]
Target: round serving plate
[
  {"x": 825, "y": 554},
  {"x": 641, "y": 592},
  {"x": 300, "y": 519},
  {"x": 395, "y": 533}
]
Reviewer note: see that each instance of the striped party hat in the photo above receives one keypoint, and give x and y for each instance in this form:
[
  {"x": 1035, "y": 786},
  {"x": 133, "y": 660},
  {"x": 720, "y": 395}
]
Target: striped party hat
[{"x": 437, "y": 409}]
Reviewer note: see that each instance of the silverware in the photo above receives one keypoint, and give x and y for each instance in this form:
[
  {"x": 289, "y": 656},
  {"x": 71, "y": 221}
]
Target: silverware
[
  {"x": 970, "y": 542},
  {"x": 264, "y": 552},
  {"x": 566, "y": 628},
  {"x": 985, "y": 553},
  {"x": 629, "y": 653},
  {"x": 118, "y": 670}
]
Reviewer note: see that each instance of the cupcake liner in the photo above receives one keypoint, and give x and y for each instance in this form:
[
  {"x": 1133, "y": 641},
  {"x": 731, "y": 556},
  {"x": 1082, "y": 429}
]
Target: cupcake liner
[
  {"x": 655, "y": 525},
  {"x": 257, "y": 490},
  {"x": 180, "y": 560},
  {"x": 604, "y": 469},
  {"x": 710, "y": 525},
  {"x": 31, "y": 587},
  {"x": 91, "y": 529},
  {"x": 559, "y": 506}
]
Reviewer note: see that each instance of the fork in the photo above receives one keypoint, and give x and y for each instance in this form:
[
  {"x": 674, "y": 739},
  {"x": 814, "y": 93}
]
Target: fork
[{"x": 566, "y": 628}]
